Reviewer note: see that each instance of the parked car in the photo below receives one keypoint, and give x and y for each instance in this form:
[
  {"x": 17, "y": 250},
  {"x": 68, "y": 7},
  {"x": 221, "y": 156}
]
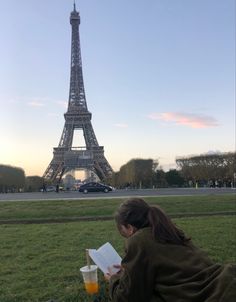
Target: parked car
[
  {"x": 48, "y": 189},
  {"x": 51, "y": 189},
  {"x": 94, "y": 187}
]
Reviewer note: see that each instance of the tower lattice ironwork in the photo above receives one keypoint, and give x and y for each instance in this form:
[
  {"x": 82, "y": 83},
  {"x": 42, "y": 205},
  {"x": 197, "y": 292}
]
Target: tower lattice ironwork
[{"x": 65, "y": 157}]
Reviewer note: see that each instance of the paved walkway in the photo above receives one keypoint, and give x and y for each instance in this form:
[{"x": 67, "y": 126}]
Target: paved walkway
[{"x": 75, "y": 195}]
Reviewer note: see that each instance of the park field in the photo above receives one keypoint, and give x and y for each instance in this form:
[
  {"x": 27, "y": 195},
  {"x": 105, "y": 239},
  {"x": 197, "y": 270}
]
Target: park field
[
  {"x": 41, "y": 261},
  {"x": 50, "y": 210}
]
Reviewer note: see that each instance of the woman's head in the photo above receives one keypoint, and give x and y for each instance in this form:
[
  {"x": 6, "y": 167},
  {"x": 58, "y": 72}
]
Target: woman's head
[
  {"x": 135, "y": 214},
  {"x": 133, "y": 211}
]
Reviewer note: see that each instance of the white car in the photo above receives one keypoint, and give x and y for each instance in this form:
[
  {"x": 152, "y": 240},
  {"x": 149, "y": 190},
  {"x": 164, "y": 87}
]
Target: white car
[{"x": 49, "y": 189}]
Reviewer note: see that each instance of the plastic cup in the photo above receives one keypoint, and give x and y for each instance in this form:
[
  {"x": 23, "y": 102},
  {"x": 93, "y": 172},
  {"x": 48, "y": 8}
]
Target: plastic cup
[{"x": 90, "y": 278}]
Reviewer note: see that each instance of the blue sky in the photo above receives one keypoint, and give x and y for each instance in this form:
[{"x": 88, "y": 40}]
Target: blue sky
[{"x": 159, "y": 78}]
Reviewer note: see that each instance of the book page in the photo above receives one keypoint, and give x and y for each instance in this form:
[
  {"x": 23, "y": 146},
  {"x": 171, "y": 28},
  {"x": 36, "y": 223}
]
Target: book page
[
  {"x": 99, "y": 260},
  {"x": 106, "y": 256}
]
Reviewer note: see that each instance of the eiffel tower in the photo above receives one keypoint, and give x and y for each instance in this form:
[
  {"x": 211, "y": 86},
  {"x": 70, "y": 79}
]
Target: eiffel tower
[{"x": 65, "y": 157}]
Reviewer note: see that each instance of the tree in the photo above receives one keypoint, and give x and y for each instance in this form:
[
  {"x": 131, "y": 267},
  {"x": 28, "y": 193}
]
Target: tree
[
  {"x": 136, "y": 173},
  {"x": 159, "y": 179},
  {"x": 208, "y": 167},
  {"x": 12, "y": 179},
  {"x": 174, "y": 178},
  {"x": 33, "y": 183}
]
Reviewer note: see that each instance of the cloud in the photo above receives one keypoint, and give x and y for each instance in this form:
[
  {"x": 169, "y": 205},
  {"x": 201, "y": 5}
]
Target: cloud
[
  {"x": 121, "y": 125},
  {"x": 13, "y": 101},
  {"x": 211, "y": 152},
  {"x": 36, "y": 101},
  {"x": 186, "y": 119},
  {"x": 54, "y": 114},
  {"x": 35, "y": 104},
  {"x": 64, "y": 104},
  {"x": 41, "y": 101}
]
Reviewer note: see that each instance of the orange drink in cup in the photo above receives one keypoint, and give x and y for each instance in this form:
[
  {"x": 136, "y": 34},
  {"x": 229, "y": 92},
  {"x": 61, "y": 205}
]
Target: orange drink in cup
[
  {"x": 91, "y": 287},
  {"x": 90, "y": 278}
]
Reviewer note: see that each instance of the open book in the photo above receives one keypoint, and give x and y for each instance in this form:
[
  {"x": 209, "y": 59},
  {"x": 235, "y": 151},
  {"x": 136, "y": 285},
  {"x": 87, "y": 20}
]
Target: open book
[{"x": 104, "y": 257}]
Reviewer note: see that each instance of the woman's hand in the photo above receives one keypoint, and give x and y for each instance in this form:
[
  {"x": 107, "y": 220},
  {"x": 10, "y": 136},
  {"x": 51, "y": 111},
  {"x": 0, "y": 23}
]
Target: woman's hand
[{"x": 111, "y": 272}]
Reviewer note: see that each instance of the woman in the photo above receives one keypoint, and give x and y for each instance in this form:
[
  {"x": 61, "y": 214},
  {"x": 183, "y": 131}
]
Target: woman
[{"x": 162, "y": 264}]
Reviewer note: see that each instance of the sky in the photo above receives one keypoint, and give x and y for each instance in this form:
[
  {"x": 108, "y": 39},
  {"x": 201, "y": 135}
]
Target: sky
[{"x": 159, "y": 78}]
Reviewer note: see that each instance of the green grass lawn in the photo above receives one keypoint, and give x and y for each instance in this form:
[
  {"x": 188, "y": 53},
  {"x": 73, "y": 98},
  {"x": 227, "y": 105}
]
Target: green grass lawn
[
  {"x": 42, "y": 261},
  {"x": 51, "y": 209}
]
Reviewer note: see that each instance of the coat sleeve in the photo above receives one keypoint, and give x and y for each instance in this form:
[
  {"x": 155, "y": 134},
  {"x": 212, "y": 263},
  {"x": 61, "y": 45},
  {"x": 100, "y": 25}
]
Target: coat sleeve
[{"x": 136, "y": 282}]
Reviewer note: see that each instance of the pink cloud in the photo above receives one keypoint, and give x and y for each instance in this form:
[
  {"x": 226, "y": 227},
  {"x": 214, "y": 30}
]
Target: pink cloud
[{"x": 186, "y": 119}]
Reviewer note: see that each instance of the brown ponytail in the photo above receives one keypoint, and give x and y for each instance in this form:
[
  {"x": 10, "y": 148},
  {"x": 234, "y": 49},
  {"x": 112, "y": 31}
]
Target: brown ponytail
[
  {"x": 163, "y": 229},
  {"x": 138, "y": 213}
]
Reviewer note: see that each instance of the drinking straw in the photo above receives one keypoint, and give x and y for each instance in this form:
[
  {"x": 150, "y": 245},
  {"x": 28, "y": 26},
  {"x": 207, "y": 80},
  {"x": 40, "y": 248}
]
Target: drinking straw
[{"x": 88, "y": 258}]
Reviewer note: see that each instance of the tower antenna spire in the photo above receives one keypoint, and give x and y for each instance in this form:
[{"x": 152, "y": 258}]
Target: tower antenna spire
[{"x": 74, "y": 6}]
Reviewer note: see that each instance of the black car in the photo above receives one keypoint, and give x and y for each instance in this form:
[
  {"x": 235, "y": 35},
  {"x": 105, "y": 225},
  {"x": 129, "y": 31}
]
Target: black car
[{"x": 94, "y": 187}]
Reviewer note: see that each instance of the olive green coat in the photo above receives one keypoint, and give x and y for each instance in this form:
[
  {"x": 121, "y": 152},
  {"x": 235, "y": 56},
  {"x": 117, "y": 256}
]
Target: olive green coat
[{"x": 170, "y": 273}]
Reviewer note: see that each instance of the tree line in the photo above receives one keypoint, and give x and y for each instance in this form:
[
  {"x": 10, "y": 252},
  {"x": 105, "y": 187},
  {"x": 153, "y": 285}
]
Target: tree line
[
  {"x": 145, "y": 173},
  {"x": 212, "y": 170},
  {"x": 209, "y": 170},
  {"x": 13, "y": 179}
]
